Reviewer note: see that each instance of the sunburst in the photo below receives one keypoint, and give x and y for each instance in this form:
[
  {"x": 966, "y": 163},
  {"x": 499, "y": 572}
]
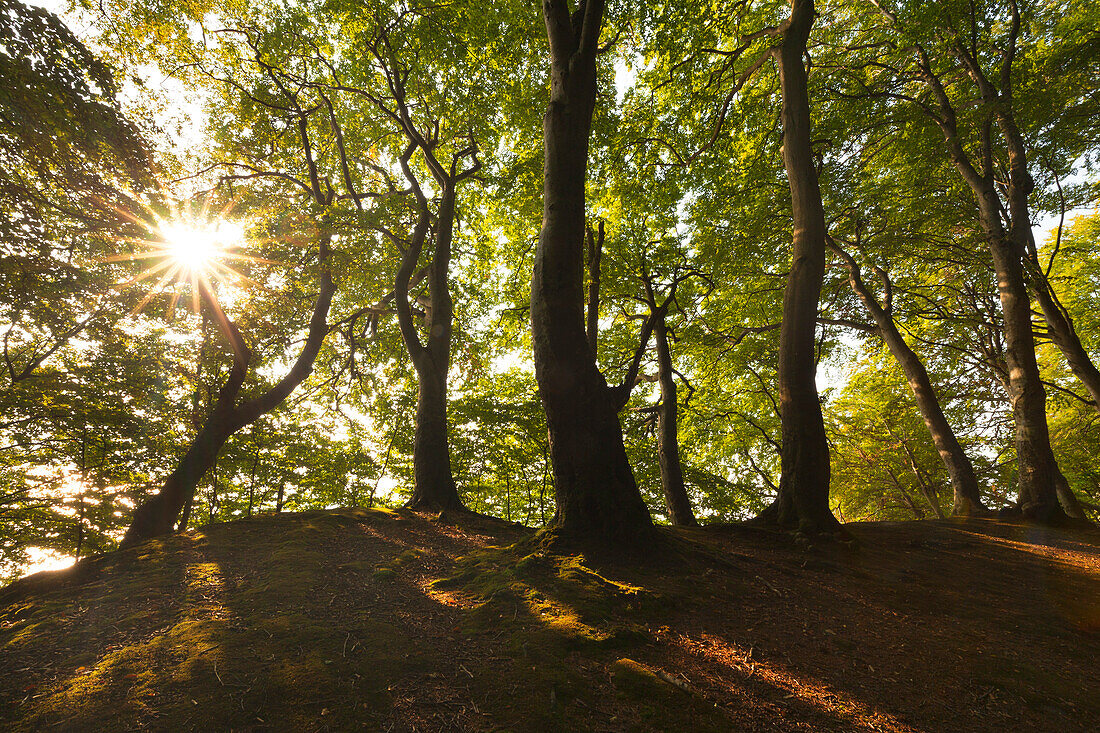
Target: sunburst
[{"x": 190, "y": 251}]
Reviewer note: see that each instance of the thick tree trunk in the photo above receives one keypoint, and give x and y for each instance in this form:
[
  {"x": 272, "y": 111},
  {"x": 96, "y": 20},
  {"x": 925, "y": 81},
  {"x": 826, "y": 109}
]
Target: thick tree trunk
[
  {"x": 435, "y": 488},
  {"x": 1038, "y": 471},
  {"x": 968, "y": 499},
  {"x": 668, "y": 445},
  {"x": 803, "y": 497},
  {"x": 157, "y": 515},
  {"x": 597, "y": 498}
]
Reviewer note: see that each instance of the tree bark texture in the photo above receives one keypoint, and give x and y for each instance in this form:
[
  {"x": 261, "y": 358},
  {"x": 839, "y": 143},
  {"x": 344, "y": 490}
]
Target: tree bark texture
[
  {"x": 592, "y": 317},
  {"x": 597, "y": 497},
  {"x": 967, "y": 493},
  {"x": 668, "y": 444},
  {"x": 803, "y": 496}
]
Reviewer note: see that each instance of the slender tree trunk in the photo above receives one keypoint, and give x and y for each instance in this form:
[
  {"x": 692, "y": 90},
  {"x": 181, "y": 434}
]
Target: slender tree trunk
[
  {"x": 83, "y": 489},
  {"x": 252, "y": 481},
  {"x": 926, "y": 487},
  {"x": 803, "y": 497},
  {"x": 1037, "y": 469},
  {"x": 434, "y": 485},
  {"x": 157, "y": 515},
  {"x": 968, "y": 499},
  {"x": 1064, "y": 335},
  {"x": 918, "y": 513},
  {"x": 597, "y": 498},
  {"x": 214, "y": 489},
  {"x": 668, "y": 445}
]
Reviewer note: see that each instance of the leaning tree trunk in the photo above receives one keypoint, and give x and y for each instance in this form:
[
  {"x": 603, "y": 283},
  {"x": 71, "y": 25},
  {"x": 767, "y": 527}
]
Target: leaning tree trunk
[
  {"x": 1038, "y": 471},
  {"x": 668, "y": 445},
  {"x": 803, "y": 497},
  {"x": 157, "y": 515},
  {"x": 597, "y": 498},
  {"x": 1064, "y": 334},
  {"x": 968, "y": 498}
]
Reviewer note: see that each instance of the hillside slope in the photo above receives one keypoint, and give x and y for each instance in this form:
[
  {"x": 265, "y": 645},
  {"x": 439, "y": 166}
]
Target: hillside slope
[{"x": 396, "y": 621}]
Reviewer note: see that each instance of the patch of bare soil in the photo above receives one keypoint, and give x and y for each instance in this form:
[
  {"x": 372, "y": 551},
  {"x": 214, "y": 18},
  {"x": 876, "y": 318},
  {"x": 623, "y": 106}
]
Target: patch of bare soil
[{"x": 397, "y": 621}]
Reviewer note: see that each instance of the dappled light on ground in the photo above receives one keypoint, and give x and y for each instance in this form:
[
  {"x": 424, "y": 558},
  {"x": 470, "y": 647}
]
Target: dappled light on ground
[{"x": 398, "y": 621}]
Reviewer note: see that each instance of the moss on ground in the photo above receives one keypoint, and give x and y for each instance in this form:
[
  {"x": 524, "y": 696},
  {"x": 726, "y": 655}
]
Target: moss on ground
[{"x": 383, "y": 619}]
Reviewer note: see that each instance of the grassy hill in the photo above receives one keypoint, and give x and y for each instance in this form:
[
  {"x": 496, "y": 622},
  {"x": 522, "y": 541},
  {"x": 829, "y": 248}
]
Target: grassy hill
[{"x": 396, "y": 621}]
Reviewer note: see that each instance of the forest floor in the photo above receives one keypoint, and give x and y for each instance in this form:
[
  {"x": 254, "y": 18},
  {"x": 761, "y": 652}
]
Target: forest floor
[{"x": 396, "y": 621}]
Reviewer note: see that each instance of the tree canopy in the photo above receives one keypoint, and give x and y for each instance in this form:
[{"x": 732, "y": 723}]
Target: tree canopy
[{"x": 805, "y": 262}]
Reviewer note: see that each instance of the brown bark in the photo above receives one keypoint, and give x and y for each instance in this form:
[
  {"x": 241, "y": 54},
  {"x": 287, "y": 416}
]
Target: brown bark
[
  {"x": 592, "y": 319},
  {"x": 803, "y": 496},
  {"x": 434, "y": 485},
  {"x": 668, "y": 444},
  {"x": 597, "y": 498},
  {"x": 968, "y": 500},
  {"x": 1021, "y": 184},
  {"x": 156, "y": 515},
  {"x": 1037, "y": 468}
]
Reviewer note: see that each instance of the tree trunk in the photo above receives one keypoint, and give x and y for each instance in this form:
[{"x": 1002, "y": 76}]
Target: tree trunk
[
  {"x": 1068, "y": 500},
  {"x": 185, "y": 514},
  {"x": 1037, "y": 469},
  {"x": 597, "y": 498},
  {"x": 918, "y": 513},
  {"x": 968, "y": 499},
  {"x": 592, "y": 318},
  {"x": 803, "y": 497},
  {"x": 435, "y": 488},
  {"x": 434, "y": 485},
  {"x": 157, "y": 515},
  {"x": 668, "y": 445}
]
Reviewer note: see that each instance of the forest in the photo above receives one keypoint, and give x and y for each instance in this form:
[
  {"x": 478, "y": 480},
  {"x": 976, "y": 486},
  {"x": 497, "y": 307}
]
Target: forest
[
  {"x": 617, "y": 274},
  {"x": 811, "y": 264}
]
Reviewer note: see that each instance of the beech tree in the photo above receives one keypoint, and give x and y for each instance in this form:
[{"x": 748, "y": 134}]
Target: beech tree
[
  {"x": 1007, "y": 227},
  {"x": 803, "y": 496},
  {"x": 596, "y": 496},
  {"x": 968, "y": 500}
]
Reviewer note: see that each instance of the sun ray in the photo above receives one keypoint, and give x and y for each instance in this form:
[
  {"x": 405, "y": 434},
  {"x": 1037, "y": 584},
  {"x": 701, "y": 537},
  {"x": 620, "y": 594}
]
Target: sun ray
[{"x": 153, "y": 291}]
